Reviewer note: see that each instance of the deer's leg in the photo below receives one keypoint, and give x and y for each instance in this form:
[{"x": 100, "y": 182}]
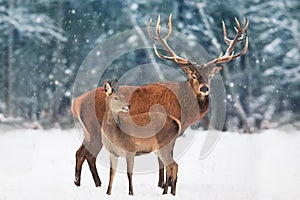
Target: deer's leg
[
  {"x": 80, "y": 157},
  {"x": 166, "y": 156},
  {"x": 112, "y": 172},
  {"x": 92, "y": 164},
  {"x": 174, "y": 172},
  {"x": 92, "y": 150},
  {"x": 161, "y": 173},
  {"x": 168, "y": 179},
  {"x": 130, "y": 163}
]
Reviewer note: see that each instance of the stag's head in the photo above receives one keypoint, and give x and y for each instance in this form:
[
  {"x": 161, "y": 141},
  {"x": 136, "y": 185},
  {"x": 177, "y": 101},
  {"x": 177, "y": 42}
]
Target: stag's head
[
  {"x": 115, "y": 101},
  {"x": 199, "y": 75}
]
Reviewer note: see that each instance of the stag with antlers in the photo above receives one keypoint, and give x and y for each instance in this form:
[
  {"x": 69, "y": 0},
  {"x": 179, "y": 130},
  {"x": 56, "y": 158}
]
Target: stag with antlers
[{"x": 187, "y": 101}]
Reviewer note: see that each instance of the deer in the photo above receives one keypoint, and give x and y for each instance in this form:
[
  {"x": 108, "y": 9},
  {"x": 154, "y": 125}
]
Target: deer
[
  {"x": 188, "y": 101},
  {"x": 122, "y": 137}
]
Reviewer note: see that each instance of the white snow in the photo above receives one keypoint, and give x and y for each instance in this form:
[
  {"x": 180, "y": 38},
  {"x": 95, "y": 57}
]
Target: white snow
[
  {"x": 9, "y": 119},
  {"x": 134, "y": 6},
  {"x": 38, "y": 164}
]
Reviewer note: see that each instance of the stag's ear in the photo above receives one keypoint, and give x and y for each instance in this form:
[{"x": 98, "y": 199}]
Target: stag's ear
[
  {"x": 214, "y": 71},
  {"x": 107, "y": 88}
]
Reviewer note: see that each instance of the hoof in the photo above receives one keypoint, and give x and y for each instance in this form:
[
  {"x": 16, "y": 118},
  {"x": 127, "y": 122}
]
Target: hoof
[
  {"x": 130, "y": 193},
  {"x": 98, "y": 184},
  {"x": 108, "y": 192},
  {"x": 173, "y": 192},
  {"x": 165, "y": 191},
  {"x": 77, "y": 182},
  {"x": 161, "y": 185}
]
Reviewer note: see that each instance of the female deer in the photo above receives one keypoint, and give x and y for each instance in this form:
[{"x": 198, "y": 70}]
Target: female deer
[{"x": 121, "y": 137}]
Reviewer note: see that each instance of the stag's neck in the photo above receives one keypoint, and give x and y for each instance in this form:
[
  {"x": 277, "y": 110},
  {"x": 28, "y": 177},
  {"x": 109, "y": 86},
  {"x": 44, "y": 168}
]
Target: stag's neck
[
  {"x": 203, "y": 103},
  {"x": 193, "y": 106}
]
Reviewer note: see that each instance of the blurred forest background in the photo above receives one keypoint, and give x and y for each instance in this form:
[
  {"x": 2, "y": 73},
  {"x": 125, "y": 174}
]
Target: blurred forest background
[{"x": 44, "y": 42}]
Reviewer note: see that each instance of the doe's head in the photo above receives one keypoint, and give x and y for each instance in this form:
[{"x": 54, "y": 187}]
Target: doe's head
[{"x": 115, "y": 100}]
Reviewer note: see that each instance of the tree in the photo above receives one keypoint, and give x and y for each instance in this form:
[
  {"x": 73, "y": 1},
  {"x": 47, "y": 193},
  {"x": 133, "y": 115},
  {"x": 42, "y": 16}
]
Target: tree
[
  {"x": 20, "y": 26},
  {"x": 277, "y": 59}
]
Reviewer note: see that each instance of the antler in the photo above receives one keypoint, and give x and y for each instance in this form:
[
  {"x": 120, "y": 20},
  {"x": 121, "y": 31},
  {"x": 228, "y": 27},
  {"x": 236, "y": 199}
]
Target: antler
[
  {"x": 229, "y": 54},
  {"x": 163, "y": 41}
]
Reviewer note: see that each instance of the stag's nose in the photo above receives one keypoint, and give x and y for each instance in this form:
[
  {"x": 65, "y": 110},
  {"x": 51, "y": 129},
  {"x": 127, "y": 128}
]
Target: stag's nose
[{"x": 204, "y": 89}]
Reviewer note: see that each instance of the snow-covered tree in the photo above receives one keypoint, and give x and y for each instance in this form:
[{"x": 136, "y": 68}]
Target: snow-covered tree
[
  {"x": 22, "y": 33},
  {"x": 44, "y": 42},
  {"x": 275, "y": 27}
]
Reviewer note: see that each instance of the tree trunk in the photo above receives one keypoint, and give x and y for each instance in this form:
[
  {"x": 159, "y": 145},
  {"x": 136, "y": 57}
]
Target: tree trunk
[
  {"x": 148, "y": 52},
  {"x": 239, "y": 108},
  {"x": 9, "y": 67},
  {"x": 59, "y": 68}
]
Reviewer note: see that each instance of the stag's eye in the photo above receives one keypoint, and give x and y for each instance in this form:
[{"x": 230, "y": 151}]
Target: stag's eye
[
  {"x": 204, "y": 89},
  {"x": 116, "y": 98},
  {"x": 194, "y": 76}
]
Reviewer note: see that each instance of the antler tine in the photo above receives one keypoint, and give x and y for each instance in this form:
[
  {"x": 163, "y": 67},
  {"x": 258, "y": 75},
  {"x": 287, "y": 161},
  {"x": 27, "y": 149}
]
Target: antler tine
[
  {"x": 158, "y": 37},
  {"x": 163, "y": 42},
  {"x": 170, "y": 27},
  {"x": 226, "y": 39},
  {"x": 157, "y": 28},
  {"x": 149, "y": 31},
  {"x": 238, "y": 24},
  {"x": 240, "y": 35},
  {"x": 246, "y": 24}
]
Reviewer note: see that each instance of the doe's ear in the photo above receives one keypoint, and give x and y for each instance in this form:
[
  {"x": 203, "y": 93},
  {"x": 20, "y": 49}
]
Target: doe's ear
[
  {"x": 214, "y": 71},
  {"x": 107, "y": 88},
  {"x": 114, "y": 84}
]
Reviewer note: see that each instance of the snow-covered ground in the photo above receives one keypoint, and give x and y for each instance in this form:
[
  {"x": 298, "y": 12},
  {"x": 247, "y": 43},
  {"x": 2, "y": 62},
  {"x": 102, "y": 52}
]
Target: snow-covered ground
[{"x": 37, "y": 164}]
